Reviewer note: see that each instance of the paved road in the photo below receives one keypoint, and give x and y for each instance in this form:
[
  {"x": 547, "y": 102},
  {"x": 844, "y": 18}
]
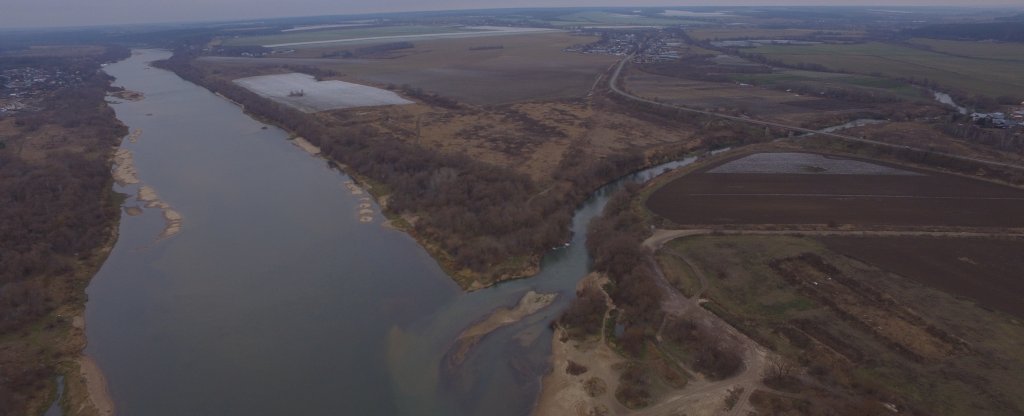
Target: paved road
[{"x": 613, "y": 84}]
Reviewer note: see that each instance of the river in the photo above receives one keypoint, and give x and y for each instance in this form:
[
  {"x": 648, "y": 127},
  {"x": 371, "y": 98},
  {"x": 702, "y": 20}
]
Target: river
[{"x": 274, "y": 298}]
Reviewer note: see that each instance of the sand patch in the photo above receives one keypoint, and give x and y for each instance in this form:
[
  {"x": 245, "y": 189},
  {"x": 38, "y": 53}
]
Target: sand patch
[
  {"x": 306, "y": 146},
  {"x": 172, "y": 219},
  {"x": 96, "y": 384},
  {"x": 124, "y": 168},
  {"x": 133, "y": 137},
  {"x": 128, "y": 95},
  {"x": 529, "y": 304},
  {"x": 133, "y": 211}
]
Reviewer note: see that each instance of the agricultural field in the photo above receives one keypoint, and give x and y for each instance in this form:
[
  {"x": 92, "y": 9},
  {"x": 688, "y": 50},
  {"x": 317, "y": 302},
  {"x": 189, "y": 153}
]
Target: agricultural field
[
  {"x": 866, "y": 84},
  {"x": 479, "y": 71},
  {"x": 861, "y": 329},
  {"x": 726, "y": 33},
  {"x": 962, "y": 74},
  {"x": 341, "y": 34},
  {"x": 756, "y": 101},
  {"x": 997, "y": 51},
  {"x": 305, "y": 93},
  {"x": 604, "y": 18},
  {"x": 804, "y": 188},
  {"x": 986, "y": 271},
  {"x": 930, "y": 136}
]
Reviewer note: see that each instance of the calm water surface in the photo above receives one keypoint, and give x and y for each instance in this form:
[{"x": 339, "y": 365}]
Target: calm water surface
[{"x": 274, "y": 299}]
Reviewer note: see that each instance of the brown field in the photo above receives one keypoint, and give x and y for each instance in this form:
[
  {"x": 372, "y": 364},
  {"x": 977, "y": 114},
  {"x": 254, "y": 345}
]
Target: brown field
[
  {"x": 527, "y": 67},
  {"x": 864, "y": 332},
  {"x": 988, "y": 271},
  {"x": 925, "y": 199},
  {"x": 928, "y": 136},
  {"x": 758, "y": 102},
  {"x": 758, "y": 33}
]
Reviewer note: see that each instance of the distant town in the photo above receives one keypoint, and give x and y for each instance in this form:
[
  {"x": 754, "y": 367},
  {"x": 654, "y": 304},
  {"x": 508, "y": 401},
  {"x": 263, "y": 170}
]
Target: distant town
[{"x": 19, "y": 87}]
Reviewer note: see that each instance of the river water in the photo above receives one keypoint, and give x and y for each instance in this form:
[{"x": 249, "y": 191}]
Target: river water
[{"x": 275, "y": 299}]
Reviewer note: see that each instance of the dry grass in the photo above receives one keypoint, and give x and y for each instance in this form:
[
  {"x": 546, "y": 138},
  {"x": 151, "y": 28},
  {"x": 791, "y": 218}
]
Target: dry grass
[{"x": 758, "y": 102}]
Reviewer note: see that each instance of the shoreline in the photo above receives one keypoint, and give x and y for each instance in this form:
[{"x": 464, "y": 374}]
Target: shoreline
[
  {"x": 96, "y": 389},
  {"x": 589, "y": 392}
]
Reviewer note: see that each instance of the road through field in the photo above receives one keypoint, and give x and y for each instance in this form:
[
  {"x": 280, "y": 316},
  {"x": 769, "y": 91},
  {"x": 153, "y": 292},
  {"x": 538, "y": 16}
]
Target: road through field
[{"x": 613, "y": 85}]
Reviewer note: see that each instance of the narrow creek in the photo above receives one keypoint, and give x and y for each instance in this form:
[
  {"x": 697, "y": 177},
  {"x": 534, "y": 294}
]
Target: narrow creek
[{"x": 274, "y": 298}]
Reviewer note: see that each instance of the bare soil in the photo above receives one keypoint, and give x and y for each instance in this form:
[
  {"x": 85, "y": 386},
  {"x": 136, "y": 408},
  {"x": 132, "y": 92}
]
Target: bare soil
[
  {"x": 902, "y": 200},
  {"x": 988, "y": 271}
]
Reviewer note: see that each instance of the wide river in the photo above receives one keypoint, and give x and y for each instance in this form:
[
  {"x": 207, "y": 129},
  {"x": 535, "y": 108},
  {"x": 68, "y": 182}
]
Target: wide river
[{"x": 274, "y": 299}]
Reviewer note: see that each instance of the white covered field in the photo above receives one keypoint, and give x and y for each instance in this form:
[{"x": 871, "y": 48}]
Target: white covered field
[{"x": 318, "y": 95}]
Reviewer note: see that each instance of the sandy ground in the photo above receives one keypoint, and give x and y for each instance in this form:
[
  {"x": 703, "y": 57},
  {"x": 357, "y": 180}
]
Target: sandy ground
[
  {"x": 364, "y": 209},
  {"x": 306, "y": 146},
  {"x": 96, "y": 384},
  {"x": 133, "y": 137},
  {"x": 529, "y": 304},
  {"x": 305, "y": 93},
  {"x": 128, "y": 95},
  {"x": 566, "y": 394},
  {"x": 124, "y": 168},
  {"x": 172, "y": 218}
]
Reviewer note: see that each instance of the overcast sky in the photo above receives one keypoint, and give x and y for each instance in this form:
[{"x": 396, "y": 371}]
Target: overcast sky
[{"x": 34, "y": 13}]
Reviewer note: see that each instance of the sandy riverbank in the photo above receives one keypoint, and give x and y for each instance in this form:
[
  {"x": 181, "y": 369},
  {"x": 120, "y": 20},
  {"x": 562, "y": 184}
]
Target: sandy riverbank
[
  {"x": 306, "y": 146},
  {"x": 591, "y": 392},
  {"x": 529, "y": 304},
  {"x": 96, "y": 386},
  {"x": 172, "y": 218},
  {"x": 124, "y": 168},
  {"x": 128, "y": 95}
]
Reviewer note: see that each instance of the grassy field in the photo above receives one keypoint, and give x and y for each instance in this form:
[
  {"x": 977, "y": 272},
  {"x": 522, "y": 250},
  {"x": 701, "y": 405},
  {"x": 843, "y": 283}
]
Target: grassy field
[
  {"x": 526, "y": 67},
  {"x": 818, "y": 197},
  {"x": 860, "y": 329},
  {"x": 986, "y": 77},
  {"x": 866, "y": 83},
  {"x": 752, "y": 100}
]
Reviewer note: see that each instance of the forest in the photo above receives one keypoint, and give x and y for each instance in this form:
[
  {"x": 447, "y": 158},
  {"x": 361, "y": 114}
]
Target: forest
[{"x": 57, "y": 212}]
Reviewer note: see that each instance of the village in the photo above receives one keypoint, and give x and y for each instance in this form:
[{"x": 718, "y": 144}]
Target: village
[
  {"x": 19, "y": 87},
  {"x": 1000, "y": 119},
  {"x": 650, "y": 46}
]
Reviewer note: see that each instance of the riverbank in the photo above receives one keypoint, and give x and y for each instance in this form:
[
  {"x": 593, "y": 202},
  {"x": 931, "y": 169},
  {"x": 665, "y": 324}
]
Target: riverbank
[{"x": 584, "y": 374}]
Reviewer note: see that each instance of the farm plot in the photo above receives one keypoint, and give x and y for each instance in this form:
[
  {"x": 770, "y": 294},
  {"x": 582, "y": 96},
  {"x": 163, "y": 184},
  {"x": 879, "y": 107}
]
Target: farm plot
[
  {"x": 868, "y": 330},
  {"x": 755, "y": 101},
  {"x": 764, "y": 189},
  {"x": 985, "y": 270},
  {"x": 305, "y": 93},
  {"x": 971, "y": 75},
  {"x": 479, "y": 71}
]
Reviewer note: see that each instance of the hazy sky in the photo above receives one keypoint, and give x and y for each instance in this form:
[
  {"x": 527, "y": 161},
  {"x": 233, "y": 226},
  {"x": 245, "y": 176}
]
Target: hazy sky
[{"x": 23, "y": 13}]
